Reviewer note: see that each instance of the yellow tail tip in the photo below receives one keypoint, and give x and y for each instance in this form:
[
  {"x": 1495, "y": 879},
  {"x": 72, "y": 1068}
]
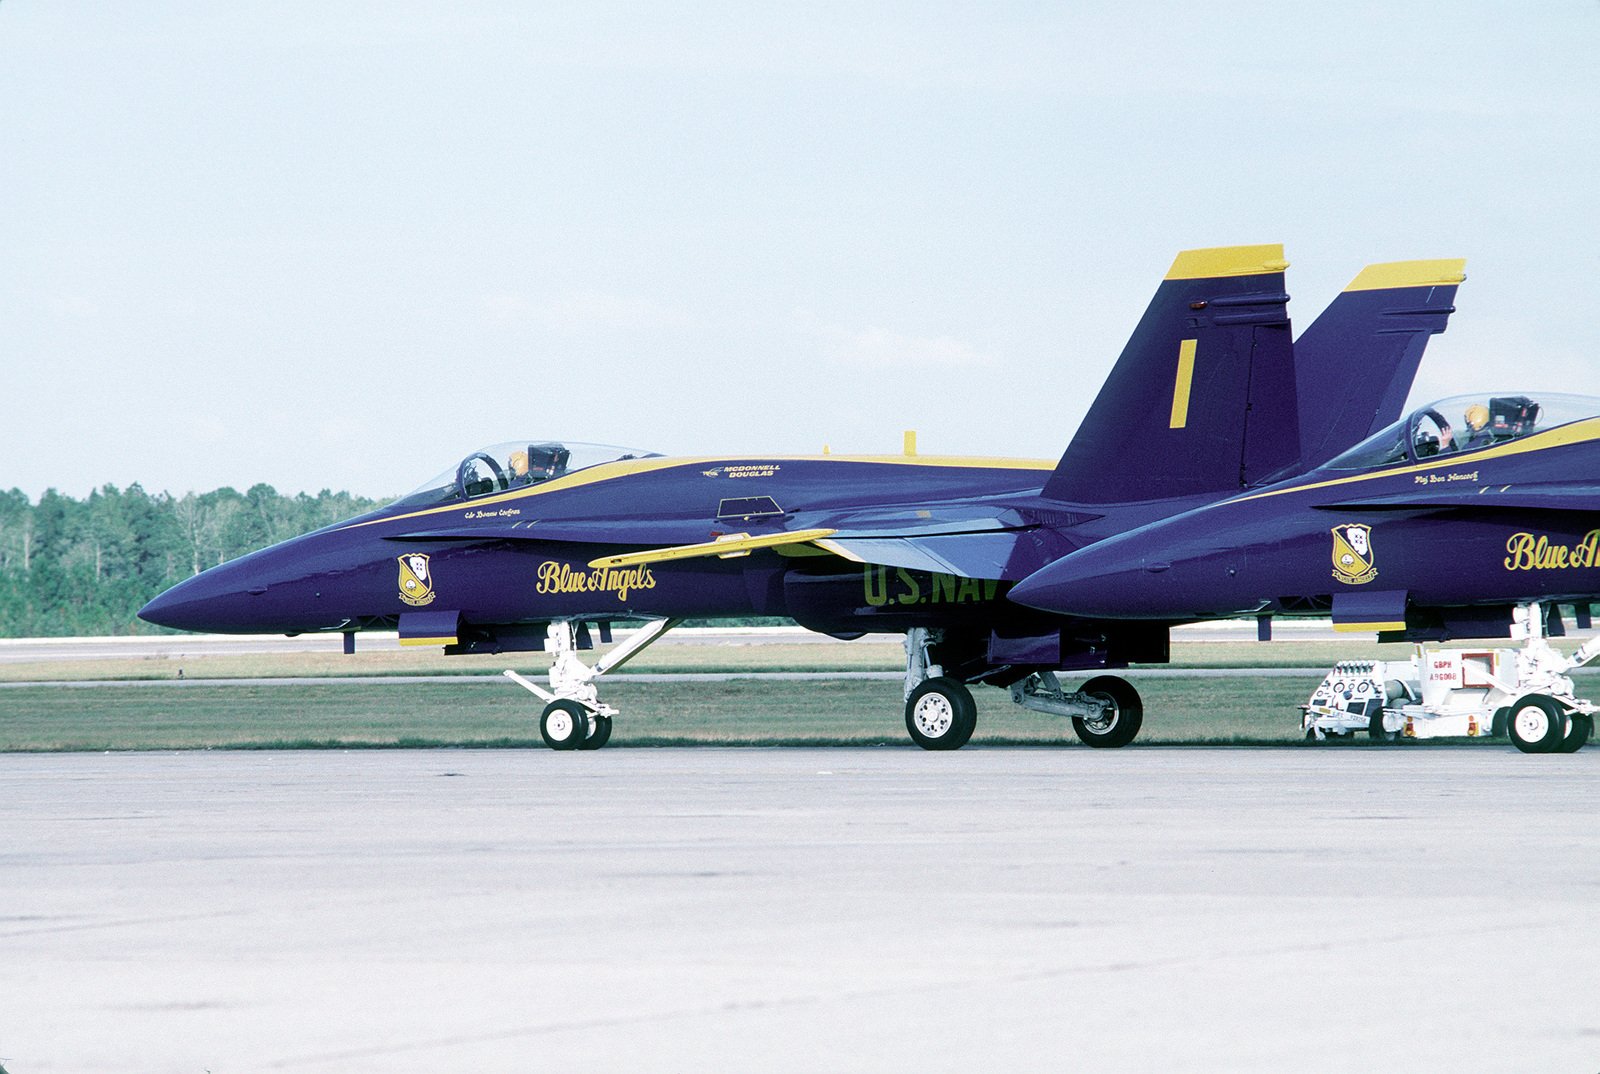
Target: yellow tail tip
[
  {"x": 1221, "y": 261},
  {"x": 1392, "y": 274}
]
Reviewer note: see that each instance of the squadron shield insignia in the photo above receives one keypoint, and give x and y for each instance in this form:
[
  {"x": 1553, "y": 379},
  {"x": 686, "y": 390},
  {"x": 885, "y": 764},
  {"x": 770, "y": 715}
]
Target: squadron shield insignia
[
  {"x": 1352, "y": 554},
  {"x": 416, "y": 584}
]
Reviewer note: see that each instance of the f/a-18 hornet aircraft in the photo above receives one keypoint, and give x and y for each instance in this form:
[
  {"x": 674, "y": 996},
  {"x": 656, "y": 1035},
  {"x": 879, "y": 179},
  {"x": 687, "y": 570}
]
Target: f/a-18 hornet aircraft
[
  {"x": 522, "y": 546},
  {"x": 1472, "y": 517}
]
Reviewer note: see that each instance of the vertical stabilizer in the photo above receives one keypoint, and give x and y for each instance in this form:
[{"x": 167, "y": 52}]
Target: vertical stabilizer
[
  {"x": 1202, "y": 399},
  {"x": 1356, "y": 362}
]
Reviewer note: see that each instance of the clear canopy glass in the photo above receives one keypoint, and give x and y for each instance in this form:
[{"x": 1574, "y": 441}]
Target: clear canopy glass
[
  {"x": 1465, "y": 423},
  {"x": 512, "y": 465}
]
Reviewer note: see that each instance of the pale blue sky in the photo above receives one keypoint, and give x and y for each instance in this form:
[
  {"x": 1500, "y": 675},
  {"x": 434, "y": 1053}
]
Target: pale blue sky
[{"x": 339, "y": 245}]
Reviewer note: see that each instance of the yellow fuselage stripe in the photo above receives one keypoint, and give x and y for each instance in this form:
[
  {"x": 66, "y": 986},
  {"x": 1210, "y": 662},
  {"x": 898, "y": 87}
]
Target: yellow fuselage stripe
[
  {"x": 1180, "y": 389},
  {"x": 1362, "y": 628},
  {"x": 1578, "y": 432}
]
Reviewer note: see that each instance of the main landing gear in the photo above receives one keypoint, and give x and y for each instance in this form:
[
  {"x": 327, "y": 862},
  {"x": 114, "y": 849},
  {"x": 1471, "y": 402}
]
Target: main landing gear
[
  {"x": 574, "y": 717},
  {"x": 941, "y": 715}
]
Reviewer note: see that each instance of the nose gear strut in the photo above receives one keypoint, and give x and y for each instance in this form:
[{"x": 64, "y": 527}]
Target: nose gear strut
[{"x": 574, "y": 716}]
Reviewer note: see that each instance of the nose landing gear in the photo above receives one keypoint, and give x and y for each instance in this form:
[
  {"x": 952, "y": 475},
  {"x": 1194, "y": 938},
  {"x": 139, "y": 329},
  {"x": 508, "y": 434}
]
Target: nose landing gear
[{"x": 573, "y": 716}]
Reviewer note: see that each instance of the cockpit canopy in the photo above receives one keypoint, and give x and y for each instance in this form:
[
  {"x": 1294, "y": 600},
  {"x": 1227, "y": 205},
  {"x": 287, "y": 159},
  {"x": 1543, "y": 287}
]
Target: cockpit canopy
[
  {"x": 1465, "y": 423},
  {"x": 512, "y": 465}
]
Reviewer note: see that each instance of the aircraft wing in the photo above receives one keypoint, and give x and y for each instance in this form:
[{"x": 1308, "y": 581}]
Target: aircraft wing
[
  {"x": 969, "y": 555},
  {"x": 966, "y": 540},
  {"x": 1543, "y": 496},
  {"x": 976, "y": 548}
]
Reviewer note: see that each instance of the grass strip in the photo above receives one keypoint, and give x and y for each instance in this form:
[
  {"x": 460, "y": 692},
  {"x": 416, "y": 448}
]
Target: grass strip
[{"x": 1232, "y": 710}]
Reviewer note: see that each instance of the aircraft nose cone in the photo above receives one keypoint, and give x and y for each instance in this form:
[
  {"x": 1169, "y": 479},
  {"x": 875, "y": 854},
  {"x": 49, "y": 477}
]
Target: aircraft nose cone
[
  {"x": 1079, "y": 584},
  {"x": 208, "y": 603}
]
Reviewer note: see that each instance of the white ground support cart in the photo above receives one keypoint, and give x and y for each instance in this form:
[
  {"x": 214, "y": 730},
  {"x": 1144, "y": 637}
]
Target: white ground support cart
[{"x": 1524, "y": 693}]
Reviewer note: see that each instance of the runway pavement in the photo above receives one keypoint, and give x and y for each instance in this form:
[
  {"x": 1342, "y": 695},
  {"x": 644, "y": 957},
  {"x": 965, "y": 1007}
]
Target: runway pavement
[{"x": 799, "y": 910}]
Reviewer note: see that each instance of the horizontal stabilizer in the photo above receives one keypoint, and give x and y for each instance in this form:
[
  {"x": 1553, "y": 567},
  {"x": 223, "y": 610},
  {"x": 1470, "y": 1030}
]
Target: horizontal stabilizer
[
  {"x": 1202, "y": 399},
  {"x": 1355, "y": 365}
]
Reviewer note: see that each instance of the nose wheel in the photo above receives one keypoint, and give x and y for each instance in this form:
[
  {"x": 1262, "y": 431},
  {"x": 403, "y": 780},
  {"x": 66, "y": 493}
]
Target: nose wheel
[
  {"x": 573, "y": 716},
  {"x": 564, "y": 725}
]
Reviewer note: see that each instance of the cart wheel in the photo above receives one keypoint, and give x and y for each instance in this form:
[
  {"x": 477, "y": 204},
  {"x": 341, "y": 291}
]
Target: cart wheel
[
  {"x": 1537, "y": 724},
  {"x": 1497, "y": 724},
  {"x": 1376, "y": 730},
  {"x": 1578, "y": 732}
]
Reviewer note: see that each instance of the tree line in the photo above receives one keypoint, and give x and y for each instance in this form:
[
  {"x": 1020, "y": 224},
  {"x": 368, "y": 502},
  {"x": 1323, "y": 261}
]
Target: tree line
[{"x": 85, "y": 567}]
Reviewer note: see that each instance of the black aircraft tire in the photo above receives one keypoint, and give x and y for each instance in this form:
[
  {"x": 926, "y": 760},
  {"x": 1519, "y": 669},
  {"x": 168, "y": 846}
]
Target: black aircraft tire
[
  {"x": 1376, "y": 731},
  {"x": 1578, "y": 732},
  {"x": 563, "y": 724},
  {"x": 599, "y": 733},
  {"x": 1537, "y": 724},
  {"x": 1497, "y": 723},
  {"x": 941, "y": 715},
  {"x": 1121, "y": 723}
]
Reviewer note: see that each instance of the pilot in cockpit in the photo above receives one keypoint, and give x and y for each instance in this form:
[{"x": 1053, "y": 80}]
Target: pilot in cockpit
[
  {"x": 540, "y": 462},
  {"x": 1478, "y": 432}
]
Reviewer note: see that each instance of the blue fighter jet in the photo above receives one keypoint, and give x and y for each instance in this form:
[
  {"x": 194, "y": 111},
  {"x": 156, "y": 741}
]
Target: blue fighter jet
[
  {"x": 541, "y": 545},
  {"x": 1472, "y": 517}
]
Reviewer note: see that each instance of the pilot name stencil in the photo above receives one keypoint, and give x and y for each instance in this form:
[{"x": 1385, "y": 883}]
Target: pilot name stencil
[
  {"x": 1443, "y": 479},
  {"x": 558, "y": 577},
  {"x": 1528, "y": 552}
]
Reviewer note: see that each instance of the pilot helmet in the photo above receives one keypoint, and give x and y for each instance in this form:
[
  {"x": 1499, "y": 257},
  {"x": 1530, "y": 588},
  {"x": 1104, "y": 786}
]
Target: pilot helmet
[
  {"x": 519, "y": 463},
  {"x": 1477, "y": 416}
]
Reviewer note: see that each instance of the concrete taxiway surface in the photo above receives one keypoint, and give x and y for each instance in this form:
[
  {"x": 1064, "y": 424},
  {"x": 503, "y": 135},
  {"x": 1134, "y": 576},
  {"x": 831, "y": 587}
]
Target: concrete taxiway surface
[{"x": 799, "y": 910}]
